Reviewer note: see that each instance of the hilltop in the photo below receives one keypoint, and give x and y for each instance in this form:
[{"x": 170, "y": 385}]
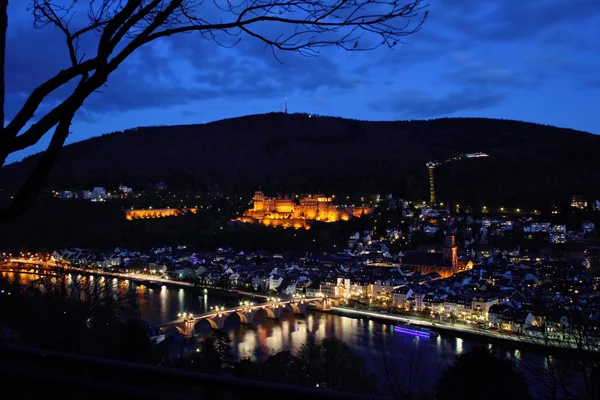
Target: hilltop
[{"x": 528, "y": 163}]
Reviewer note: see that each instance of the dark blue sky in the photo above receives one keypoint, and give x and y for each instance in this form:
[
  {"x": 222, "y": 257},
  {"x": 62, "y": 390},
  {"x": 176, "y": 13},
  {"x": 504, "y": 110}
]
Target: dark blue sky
[{"x": 532, "y": 60}]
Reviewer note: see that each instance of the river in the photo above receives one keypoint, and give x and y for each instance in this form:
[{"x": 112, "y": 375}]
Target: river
[{"x": 365, "y": 336}]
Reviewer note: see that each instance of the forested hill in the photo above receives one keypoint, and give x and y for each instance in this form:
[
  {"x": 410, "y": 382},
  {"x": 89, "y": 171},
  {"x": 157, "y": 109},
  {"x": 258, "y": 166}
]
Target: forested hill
[{"x": 285, "y": 153}]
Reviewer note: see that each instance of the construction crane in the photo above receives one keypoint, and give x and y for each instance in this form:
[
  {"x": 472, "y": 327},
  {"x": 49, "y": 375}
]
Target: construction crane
[{"x": 431, "y": 165}]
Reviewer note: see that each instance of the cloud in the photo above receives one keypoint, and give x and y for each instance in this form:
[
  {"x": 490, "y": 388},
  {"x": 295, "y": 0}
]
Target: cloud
[
  {"x": 470, "y": 71},
  {"x": 512, "y": 20},
  {"x": 592, "y": 84},
  {"x": 419, "y": 104},
  {"x": 479, "y": 53},
  {"x": 172, "y": 71}
]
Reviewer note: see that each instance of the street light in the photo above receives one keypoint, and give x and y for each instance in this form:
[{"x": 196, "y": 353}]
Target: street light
[{"x": 186, "y": 316}]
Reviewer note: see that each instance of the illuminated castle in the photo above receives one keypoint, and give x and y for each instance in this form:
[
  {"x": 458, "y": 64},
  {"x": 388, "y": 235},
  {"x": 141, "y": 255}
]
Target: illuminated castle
[{"x": 284, "y": 211}]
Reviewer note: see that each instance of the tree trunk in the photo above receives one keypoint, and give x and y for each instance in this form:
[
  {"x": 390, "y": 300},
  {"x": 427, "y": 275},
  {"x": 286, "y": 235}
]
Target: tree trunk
[
  {"x": 3, "y": 29},
  {"x": 34, "y": 185}
]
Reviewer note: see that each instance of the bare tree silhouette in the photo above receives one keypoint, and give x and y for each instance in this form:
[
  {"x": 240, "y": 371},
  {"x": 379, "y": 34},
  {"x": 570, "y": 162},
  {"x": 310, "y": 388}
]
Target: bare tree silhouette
[
  {"x": 571, "y": 330},
  {"x": 403, "y": 375},
  {"x": 303, "y": 26}
]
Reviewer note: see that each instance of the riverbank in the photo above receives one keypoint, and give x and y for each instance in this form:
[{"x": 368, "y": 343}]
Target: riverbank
[
  {"x": 136, "y": 277},
  {"x": 151, "y": 278},
  {"x": 460, "y": 330}
]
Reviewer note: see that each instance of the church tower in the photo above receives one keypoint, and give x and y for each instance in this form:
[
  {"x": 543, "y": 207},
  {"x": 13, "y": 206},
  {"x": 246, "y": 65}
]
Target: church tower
[{"x": 451, "y": 252}]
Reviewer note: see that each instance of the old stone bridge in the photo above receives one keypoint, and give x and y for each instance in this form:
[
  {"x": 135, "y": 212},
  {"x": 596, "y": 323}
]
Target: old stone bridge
[{"x": 246, "y": 312}]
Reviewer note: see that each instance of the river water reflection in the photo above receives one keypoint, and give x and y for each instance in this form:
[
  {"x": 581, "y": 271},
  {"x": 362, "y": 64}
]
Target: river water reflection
[
  {"x": 162, "y": 304},
  {"x": 367, "y": 337}
]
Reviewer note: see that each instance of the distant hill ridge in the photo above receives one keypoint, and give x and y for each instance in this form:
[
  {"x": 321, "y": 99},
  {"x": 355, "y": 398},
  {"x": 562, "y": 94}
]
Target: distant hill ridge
[{"x": 528, "y": 162}]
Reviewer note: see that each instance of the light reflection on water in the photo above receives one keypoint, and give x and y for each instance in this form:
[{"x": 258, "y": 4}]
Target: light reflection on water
[
  {"x": 459, "y": 345},
  {"x": 160, "y": 305},
  {"x": 366, "y": 337}
]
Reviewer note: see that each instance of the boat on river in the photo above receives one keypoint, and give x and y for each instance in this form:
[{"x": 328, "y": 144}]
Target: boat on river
[{"x": 414, "y": 330}]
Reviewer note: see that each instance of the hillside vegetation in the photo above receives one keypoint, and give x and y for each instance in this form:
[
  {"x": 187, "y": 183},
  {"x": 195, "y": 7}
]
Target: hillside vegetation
[{"x": 528, "y": 163}]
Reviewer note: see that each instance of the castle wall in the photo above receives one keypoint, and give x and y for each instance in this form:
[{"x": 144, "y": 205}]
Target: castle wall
[
  {"x": 358, "y": 212},
  {"x": 152, "y": 213}
]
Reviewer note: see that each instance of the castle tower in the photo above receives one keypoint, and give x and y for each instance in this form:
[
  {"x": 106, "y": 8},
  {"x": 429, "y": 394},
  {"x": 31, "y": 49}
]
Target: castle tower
[
  {"x": 451, "y": 252},
  {"x": 259, "y": 201}
]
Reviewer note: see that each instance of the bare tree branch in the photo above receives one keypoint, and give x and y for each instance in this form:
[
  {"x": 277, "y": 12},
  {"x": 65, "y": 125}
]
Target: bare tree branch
[{"x": 303, "y": 26}]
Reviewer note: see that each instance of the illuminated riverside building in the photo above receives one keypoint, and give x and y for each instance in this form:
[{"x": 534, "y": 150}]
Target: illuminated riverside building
[{"x": 284, "y": 211}]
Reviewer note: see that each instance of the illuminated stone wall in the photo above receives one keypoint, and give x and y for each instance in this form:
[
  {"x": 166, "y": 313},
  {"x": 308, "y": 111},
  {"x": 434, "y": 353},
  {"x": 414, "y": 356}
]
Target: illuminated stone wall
[
  {"x": 151, "y": 213},
  {"x": 358, "y": 212}
]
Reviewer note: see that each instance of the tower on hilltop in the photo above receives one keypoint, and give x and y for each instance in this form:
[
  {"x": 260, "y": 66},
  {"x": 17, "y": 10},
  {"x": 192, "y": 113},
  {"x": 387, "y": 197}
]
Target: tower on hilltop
[
  {"x": 283, "y": 106},
  {"x": 259, "y": 201},
  {"x": 430, "y": 167}
]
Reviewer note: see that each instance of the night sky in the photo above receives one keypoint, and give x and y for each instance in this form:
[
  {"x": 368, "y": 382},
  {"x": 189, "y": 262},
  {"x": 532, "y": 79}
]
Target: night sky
[{"x": 531, "y": 60}]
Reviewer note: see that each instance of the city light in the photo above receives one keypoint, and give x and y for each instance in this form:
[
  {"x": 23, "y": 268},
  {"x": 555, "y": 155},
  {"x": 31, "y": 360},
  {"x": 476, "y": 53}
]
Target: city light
[
  {"x": 186, "y": 316},
  {"x": 411, "y": 332}
]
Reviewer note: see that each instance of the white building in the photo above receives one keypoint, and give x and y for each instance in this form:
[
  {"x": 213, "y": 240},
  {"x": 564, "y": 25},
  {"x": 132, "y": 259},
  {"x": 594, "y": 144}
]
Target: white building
[
  {"x": 124, "y": 189},
  {"x": 537, "y": 227},
  {"x": 99, "y": 193},
  {"x": 558, "y": 238},
  {"x": 400, "y": 296}
]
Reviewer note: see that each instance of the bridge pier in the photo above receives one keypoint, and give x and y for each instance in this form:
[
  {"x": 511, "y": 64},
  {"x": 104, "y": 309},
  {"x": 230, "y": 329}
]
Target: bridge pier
[
  {"x": 218, "y": 321},
  {"x": 249, "y": 317},
  {"x": 297, "y": 308},
  {"x": 323, "y": 304},
  {"x": 276, "y": 312}
]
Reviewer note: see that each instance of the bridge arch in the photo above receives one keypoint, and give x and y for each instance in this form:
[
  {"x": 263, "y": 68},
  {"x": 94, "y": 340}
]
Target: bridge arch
[
  {"x": 173, "y": 330},
  {"x": 212, "y": 323},
  {"x": 268, "y": 311},
  {"x": 243, "y": 318},
  {"x": 294, "y": 307},
  {"x": 317, "y": 304}
]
